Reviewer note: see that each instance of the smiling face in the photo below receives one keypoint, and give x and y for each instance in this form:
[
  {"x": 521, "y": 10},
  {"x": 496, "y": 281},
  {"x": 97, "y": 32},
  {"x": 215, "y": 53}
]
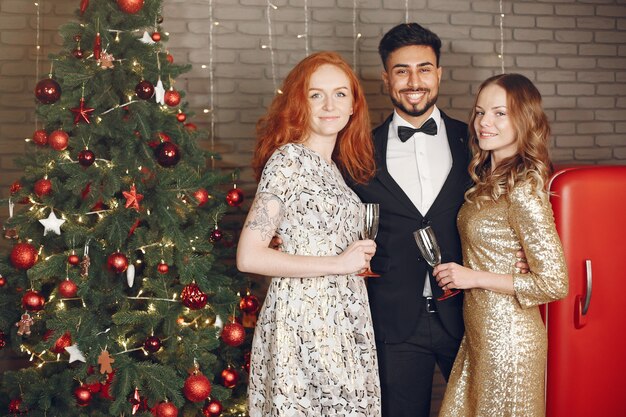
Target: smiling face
[
  {"x": 412, "y": 80},
  {"x": 493, "y": 126},
  {"x": 330, "y": 102}
]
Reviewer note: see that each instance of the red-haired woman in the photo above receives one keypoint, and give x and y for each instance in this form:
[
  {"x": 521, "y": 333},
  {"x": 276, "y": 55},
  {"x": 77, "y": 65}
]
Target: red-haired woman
[
  {"x": 313, "y": 352},
  {"x": 499, "y": 370}
]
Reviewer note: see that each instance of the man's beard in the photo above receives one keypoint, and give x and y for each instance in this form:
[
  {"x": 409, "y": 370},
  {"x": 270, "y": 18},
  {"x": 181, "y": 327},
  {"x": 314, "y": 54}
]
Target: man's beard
[{"x": 413, "y": 112}]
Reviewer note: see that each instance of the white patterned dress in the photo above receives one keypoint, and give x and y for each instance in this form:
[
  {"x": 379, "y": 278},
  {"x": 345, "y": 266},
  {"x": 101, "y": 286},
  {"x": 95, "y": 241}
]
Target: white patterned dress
[{"x": 313, "y": 352}]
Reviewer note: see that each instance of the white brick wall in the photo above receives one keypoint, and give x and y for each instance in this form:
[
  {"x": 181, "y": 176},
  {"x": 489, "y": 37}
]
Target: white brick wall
[{"x": 573, "y": 49}]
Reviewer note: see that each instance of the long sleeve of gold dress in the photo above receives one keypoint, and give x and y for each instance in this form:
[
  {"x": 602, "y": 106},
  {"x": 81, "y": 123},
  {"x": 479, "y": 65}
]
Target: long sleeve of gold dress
[{"x": 499, "y": 370}]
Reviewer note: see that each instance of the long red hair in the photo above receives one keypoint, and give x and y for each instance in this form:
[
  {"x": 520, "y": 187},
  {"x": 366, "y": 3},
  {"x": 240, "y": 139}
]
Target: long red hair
[{"x": 287, "y": 121}]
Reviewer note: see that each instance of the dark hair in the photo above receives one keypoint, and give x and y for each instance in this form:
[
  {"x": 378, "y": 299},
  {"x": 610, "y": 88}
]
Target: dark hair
[{"x": 407, "y": 34}]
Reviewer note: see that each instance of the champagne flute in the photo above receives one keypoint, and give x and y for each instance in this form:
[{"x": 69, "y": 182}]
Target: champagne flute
[
  {"x": 369, "y": 229},
  {"x": 428, "y": 246}
]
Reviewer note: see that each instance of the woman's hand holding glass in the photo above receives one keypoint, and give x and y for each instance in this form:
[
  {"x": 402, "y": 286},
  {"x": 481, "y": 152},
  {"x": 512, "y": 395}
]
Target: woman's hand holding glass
[{"x": 356, "y": 257}]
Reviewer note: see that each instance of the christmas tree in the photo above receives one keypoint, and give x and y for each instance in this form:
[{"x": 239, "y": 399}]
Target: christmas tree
[{"x": 116, "y": 287}]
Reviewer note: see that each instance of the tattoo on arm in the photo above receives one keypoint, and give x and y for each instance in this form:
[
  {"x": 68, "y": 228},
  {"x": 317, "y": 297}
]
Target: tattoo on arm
[{"x": 265, "y": 215}]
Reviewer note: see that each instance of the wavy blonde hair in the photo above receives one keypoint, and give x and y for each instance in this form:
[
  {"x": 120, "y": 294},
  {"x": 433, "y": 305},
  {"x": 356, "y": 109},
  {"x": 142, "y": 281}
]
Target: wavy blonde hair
[{"x": 532, "y": 132}]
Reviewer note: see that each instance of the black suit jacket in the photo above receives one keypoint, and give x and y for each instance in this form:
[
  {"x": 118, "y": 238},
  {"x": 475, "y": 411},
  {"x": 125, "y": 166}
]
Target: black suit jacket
[{"x": 395, "y": 297}]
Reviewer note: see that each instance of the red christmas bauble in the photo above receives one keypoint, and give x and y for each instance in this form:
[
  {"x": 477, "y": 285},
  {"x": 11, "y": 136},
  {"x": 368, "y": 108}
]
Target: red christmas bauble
[
  {"x": 181, "y": 117},
  {"x": 193, "y": 297},
  {"x": 230, "y": 377},
  {"x": 48, "y": 91},
  {"x": 202, "y": 196},
  {"x": 197, "y": 388},
  {"x": 117, "y": 262},
  {"x": 170, "y": 58},
  {"x": 163, "y": 268},
  {"x": 106, "y": 387},
  {"x": 233, "y": 334},
  {"x": 83, "y": 396},
  {"x": 246, "y": 361},
  {"x": 144, "y": 90},
  {"x": 40, "y": 137},
  {"x": 156, "y": 36},
  {"x": 130, "y": 6},
  {"x": 212, "y": 409},
  {"x": 3, "y": 339},
  {"x": 58, "y": 140},
  {"x": 152, "y": 344},
  {"x": 16, "y": 407},
  {"x": 166, "y": 410},
  {"x": 33, "y": 301},
  {"x": 191, "y": 126},
  {"x": 94, "y": 387},
  {"x": 3, "y": 281},
  {"x": 172, "y": 98},
  {"x": 86, "y": 158},
  {"x": 250, "y": 304},
  {"x": 61, "y": 343},
  {"x": 73, "y": 259},
  {"x": 216, "y": 235},
  {"x": 234, "y": 197},
  {"x": 24, "y": 256},
  {"x": 77, "y": 53},
  {"x": 68, "y": 288},
  {"x": 43, "y": 187},
  {"x": 167, "y": 154}
]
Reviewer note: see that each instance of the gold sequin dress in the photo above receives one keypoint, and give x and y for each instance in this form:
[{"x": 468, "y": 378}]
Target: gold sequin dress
[{"x": 499, "y": 370}]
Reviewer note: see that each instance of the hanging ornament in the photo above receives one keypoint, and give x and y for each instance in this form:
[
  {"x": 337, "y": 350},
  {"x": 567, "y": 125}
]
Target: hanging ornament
[
  {"x": 146, "y": 38},
  {"x": 83, "y": 396},
  {"x": 139, "y": 403},
  {"x": 132, "y": 198},
  {"x": 16, "y": 406},
  {"x": 172, "y": 97},
  {"x": 73, "y": 259},
  {"x": 24, "y": 256},
  {"x": 78, "y": 53},
  {"x": 133, "y": 227},
  {"x": 82, "y": 113},
  {"x": 130, "y": 6},
  {"x": 9, "y": 232},
  {"x": 3, "y": 340},
  {"x": 83, "y": 6},
  {"x": 181, "y": 117},
  {"x": 202, "y": 196},
  {"x": 156, "y": 36},
  {"x": 167, "y": 154},
  {"x": 249, "y": 304},
  {"x": 58, "y": 140},
  {"x": 33, "y": 301},
  {"x": 105, "y": 360},
  {"x": 159, "y": 19},
  {"x": 144, "y": 90},
  {"x": 23, "y": 325},
  {"x": 106, "y": 60},
  {"x": 233, "y": 334},
  {"x": 216, "y": 235},
  {"x": 130, "y": 275},
  {"x": 212, "y": 409},
  {"x": 40, "y": 137},
  {"x": 43, "y": 187},
  {"x": 234, "y": 197},
  {"x": 68, "y": 288},
  {"x": 86, "y": 158},
  {"x": 106, "y": 387},
  {"x": 162, "y": 267},
  {"x": 61, "y": 343},
  {"x": 52, "y": 224},
  {"x": 97, "y": 47},
  {"x": 230, "y": 377},
  {"x": 3, "y": 281},
  {"x": 191, "y": 127},
  {"x": 166, "y": 409},
  {"x": 246, "y": 361},
  {"x": 152, "y": 344},
  {"x": 197, "y": 387},
  {"x": 75, "y": 354},
  {"x": 159, "y": 92},
  {"x": 117, "y": 262},
  {"x": 84, "y": 266},
  {"x": 48, "y": 91},
  {"x": 192, "y": 297},
  {"x": 169, "y": 58}
]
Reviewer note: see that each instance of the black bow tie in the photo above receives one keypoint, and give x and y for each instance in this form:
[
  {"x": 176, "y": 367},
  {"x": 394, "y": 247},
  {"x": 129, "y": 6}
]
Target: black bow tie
[{"x": 430, "y": 128}]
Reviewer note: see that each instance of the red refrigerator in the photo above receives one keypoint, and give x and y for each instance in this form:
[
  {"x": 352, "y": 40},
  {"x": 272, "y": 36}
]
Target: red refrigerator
[{"x": 586, "y": 369}]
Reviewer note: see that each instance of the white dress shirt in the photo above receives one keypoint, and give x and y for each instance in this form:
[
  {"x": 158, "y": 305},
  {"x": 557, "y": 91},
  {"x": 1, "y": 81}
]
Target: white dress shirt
[{"x": 420, "y": 165}]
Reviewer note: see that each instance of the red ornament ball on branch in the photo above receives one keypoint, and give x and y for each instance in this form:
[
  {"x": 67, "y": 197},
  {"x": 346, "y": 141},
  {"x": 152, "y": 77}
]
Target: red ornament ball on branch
[
  {"x": 201, "y": 196},
  {"x": 33, "y": 301},
  {"x": 62, "y": 342},
  {"x": 166, "y": 410},
  {"x": 172, "y": 98},
  {"x": 3, "y": 281},
  {"x": 77, "y": 53},
  {"x": 249, "y": 304},
  {"x": 197, "y": 388},
  {"x": 86, "y": 158},
  {"x": 181, "y": 117},
  {"x": 193, "y": 297},
  {"x": 130, "y": 6},
  {"x": 40, "y": 137},
  {"x": 216, "y": 235},
  {"x": 3, "y": 339},
  {"x": 212, "y": 409},
  {"x": 163, "y": 268},
  {"x": 233, "y": 334},
  {"x": 156, "y": 36},
  {"x": 230, "y": 377},
  {"x": 42, "y": 187},
  {"x": 58, "y": 140},
  {"x": 83, "y": 396},
  {"x": 234, "y": 197},
  {"x": 117, "y": 262},
  {"x": 170, "y": 58},
  {"x": 48, "y": 91},
  {"x": 152, "y": 344},
  {"x": 68, "y": 289},
  {"x": 73, "y": 259},
  {"x": 144, "y": 90},
  {"x": 167, "y": 154},
  {"x": 16, "y": 407},
  {"x": 24, "y": 256}
]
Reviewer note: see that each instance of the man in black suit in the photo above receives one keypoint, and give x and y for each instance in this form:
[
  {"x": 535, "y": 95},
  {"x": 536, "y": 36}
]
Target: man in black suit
[{"x": 422, "y": 158}]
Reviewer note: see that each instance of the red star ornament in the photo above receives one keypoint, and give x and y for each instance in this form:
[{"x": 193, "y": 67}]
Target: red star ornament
[
  {"x": 82, "y": 113},
  {"x": 132, "y": 198}
]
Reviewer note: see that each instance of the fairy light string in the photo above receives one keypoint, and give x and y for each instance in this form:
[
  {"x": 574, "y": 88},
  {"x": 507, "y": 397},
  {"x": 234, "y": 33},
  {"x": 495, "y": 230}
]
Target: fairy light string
[
  {"x": 270, "y": 44},
  {"x": 501, "y": 54}
]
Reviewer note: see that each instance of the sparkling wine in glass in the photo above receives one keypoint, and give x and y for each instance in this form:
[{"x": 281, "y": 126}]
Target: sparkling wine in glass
[
  {"x": 369, "y": 229},
  {"x": 428, "y": 246}
]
